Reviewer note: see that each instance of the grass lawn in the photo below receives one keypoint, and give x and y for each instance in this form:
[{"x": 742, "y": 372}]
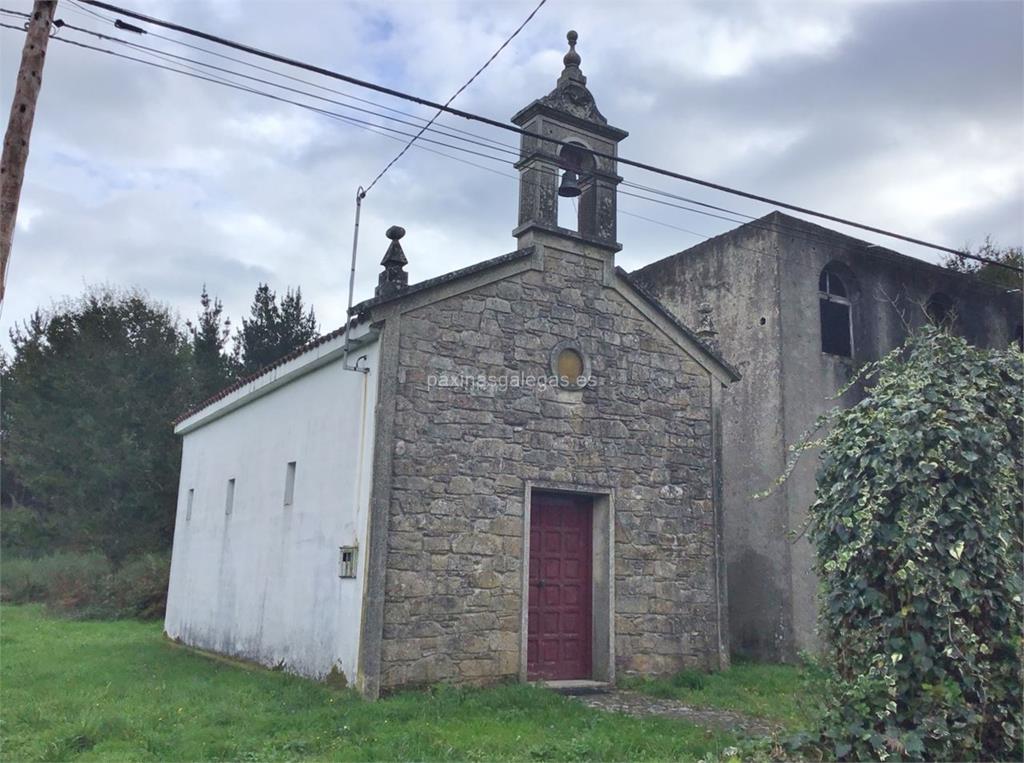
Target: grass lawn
[
  {"x": 790, "y": 695},
  {"x": 120, "y": 691}
]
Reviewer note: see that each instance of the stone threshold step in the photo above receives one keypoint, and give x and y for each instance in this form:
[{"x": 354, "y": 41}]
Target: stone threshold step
[{"x": 576, "y": 686}]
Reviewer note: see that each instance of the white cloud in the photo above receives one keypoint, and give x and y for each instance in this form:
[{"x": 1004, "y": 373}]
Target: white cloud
[{"x": 904, "y": 115}]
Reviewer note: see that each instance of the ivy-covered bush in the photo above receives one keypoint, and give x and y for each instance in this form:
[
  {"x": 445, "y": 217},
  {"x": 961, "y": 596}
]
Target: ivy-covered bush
[{"x": 917, "y": 528}]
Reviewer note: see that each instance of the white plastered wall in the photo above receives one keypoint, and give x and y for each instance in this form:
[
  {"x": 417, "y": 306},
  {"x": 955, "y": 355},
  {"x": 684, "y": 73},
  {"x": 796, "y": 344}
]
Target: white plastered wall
[{"x": 263, "y": 583}]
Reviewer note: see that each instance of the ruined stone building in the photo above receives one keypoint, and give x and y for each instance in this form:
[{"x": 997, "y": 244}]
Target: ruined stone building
[
  {"x": 508, "y": 472},
  {"x": 798, "y": 308}
]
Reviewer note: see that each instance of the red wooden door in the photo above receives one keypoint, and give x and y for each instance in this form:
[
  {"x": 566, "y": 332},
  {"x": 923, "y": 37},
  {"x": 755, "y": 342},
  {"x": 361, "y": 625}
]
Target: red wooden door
[{"x": 558, "y": 615}]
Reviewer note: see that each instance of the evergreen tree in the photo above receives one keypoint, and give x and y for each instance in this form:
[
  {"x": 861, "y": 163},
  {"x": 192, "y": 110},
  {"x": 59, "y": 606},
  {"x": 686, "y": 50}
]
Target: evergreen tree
[
  {"x": 297, "y": 327},
  {"x": 273, "y": 330},
  {"x": 89, "y": 395},
  {"x": 212, "y": 366}
]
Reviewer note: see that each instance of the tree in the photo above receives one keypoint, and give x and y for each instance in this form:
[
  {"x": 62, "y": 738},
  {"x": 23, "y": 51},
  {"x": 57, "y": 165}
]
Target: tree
[
  {"x": 916, "y": 525},
  {"x": 89, "y": 396},
  {"x": 272, "y": 330},
  {"x": 212, "y": 366},
  {"x": 1009, "y": 255}
]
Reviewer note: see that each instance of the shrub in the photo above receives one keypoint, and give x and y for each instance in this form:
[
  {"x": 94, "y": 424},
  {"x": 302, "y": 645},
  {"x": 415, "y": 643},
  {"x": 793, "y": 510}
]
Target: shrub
[
  {"x": 916, "y": 524},
  {"x": 21, "y": 580},
  {"x": 77, "y": 584},
  {"x": 67, "y": 581},
  {"x": 85, "y": 586},
  {"x": 139, "y": 587}
]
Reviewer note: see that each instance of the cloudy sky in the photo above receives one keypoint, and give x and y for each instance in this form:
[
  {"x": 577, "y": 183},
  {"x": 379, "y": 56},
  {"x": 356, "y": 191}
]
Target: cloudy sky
[{"x": 902, "y": 115}]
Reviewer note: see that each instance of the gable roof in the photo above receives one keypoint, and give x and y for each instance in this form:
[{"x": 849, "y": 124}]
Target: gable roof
[
  {"x": 221, "y": 394},
  {"x": 725, "y": 368},
  {"x": 716, "y": 359},
  {"x": 440, "y": 280},
  {"x": 355, "y": 317},
  {"x": 358, "y": 314}
]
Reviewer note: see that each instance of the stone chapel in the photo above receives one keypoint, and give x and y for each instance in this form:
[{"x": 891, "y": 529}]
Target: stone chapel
[{"x": 510, "y": 472}]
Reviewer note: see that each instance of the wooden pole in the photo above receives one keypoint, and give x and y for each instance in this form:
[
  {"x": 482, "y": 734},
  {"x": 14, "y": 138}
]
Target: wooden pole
[{"x": 19, "y": 127}]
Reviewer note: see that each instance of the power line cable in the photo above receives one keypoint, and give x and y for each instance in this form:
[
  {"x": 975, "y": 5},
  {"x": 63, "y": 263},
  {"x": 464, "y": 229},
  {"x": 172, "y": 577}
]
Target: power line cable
[
  {"x": 509, "y": 149},
  {"x": 380, "y": 130},
  {"x": 163, "y": 55},
  {"x": 199, "y": 74},
  {"x": 364, "y": 125},
  {"x": 702, "y": 236},
  {"x": 774, "y": 227},
  {"x": 455, "y": 95},
  {"x": 244, "y": 88},
  {"x": 680, "y": 206},
  {"x": 440, "y": 131},
  {"x": 91, "y": 12},
  {"x": 650, "y": 189},
  {"x": 511, "y": 128},
  {"x": 351, "y": 120},
  {"x": 276, "y": 73}
]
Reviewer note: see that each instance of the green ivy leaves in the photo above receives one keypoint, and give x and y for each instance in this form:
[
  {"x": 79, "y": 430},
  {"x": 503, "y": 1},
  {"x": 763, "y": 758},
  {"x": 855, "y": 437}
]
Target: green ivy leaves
[{"x": 917, "y": 528}]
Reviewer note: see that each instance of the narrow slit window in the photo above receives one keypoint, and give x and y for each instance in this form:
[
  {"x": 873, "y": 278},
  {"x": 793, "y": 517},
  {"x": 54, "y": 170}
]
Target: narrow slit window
[
  {"x": 346, "y": 561},
  {"x": 229, "y": 501},
  {"x": 834, "y": 307},
  {"x": 188, "y": 503},
  {"x": 289, "y": 484}
]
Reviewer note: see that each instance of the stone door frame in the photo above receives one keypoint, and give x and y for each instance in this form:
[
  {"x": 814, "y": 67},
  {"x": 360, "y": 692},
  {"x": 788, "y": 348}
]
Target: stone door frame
[{"x": 602, "y": 629}]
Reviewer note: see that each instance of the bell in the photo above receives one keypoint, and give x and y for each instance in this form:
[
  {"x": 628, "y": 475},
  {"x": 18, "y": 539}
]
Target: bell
[{"x": 570, "y": 186}]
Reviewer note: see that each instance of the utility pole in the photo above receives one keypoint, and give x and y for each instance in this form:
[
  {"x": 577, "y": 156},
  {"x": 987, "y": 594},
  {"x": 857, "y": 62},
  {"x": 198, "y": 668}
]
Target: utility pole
[{"x": 19, "y": 127}]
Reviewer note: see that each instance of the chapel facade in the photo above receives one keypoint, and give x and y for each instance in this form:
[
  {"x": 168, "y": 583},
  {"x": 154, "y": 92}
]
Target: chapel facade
[{"x": 512, "y": 471}]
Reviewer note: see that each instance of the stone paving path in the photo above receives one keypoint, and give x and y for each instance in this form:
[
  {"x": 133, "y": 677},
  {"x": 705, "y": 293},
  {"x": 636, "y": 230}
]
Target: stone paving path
[{"x": 641, "y": 705}]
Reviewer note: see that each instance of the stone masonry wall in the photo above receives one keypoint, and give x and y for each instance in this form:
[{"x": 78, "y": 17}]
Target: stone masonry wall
[{"x": 462, "y": 457}]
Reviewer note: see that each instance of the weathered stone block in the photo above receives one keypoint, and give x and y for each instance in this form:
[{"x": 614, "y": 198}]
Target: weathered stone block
[
  {"x": 477, "y": 544},
  {"x": 498, "y": 305}
]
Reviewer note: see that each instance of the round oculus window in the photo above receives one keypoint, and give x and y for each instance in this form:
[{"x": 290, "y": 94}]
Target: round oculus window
[{"x": 570, "y": 365}]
